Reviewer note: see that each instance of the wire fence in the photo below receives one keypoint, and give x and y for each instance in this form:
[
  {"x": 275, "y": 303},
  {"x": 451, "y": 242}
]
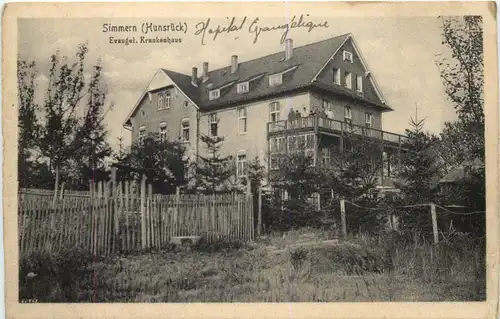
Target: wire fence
[{"x": 439, "y": 219}]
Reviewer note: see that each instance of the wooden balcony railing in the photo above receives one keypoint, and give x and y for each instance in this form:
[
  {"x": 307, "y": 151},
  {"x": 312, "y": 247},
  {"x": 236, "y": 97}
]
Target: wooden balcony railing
[{"x": 325, "y": 124}]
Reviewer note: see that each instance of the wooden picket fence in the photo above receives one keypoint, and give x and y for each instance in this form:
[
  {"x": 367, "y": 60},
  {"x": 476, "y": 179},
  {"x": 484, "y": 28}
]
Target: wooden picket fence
[{"x": 124, "y": 217}]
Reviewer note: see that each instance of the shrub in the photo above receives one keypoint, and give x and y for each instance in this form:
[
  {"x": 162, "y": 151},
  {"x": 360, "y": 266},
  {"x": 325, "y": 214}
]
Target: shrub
[
  {"x": 223, "y": 243},
  {"x": 291, "y": 214},
  {"x": 53, "y": 277},
  {"x": 298, "y": 257}
]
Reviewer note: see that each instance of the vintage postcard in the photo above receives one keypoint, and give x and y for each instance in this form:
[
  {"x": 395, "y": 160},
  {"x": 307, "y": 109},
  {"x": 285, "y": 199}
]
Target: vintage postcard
[{"x": 273, "y": 159}]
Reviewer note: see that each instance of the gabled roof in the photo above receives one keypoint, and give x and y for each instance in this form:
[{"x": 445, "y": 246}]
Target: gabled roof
[{"x": 309, "y": 60}]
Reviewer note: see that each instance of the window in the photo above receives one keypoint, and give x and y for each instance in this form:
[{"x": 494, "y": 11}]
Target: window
[
  {"x": 336, "y": 76},
  {"x": 292, "y": 143},
  {"x": 328, "y": 107},
  {"x": 368, "y": 120},
  {"x": 142, "y": 135},
  {"x": 273, "y": 162},
  {"x": 359, "y": 83},
  {"x": 348, "y": 80},
  {"x": 277, "y": 144},
  {"x": 213, "y": 123},
  {"x": 163, "y": 131},
  {"x": 185, "y": 130},
  {"x": 160, "y": 101},
  {"x": 241, "y": 165},
  {"x": 301, "y": 142},
  {"x": 274, "y": 108},
  {"x": 348, "y": 56},
  {"x": 166, "y": 100},
  {"x": 242, "y": 120},
  {"x": 214, "y": 94},
  {"x": 326, "y": 156},
  {"x": 242, "y": 87},
  {"x": 310, "y": 153},
  {"x": 275, "y": 79},
  {"x": 347, "y": 115}
]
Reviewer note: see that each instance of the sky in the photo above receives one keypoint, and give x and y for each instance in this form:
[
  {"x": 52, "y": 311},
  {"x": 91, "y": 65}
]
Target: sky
[{"x": 400, "y": 52}]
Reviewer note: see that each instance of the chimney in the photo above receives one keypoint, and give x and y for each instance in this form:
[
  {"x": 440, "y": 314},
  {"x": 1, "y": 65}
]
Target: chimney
[
  {"x": 205, "y": 71},
  {"x": 194, "y": 77},
  {"x": 234, "y": 64},
  {"x": 288, "y": 49}
]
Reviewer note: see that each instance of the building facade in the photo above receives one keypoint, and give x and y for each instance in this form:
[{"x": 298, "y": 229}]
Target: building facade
[{"x": 305, "y": 98}]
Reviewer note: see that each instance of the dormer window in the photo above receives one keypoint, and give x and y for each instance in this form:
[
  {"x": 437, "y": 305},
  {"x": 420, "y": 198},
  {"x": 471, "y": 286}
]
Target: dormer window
[
  {"x": 276, "y": 79},
  {"x": 242, "y": 87},
  {"x": 348, "y": 56},
  {"x": 214, "y": 94}
]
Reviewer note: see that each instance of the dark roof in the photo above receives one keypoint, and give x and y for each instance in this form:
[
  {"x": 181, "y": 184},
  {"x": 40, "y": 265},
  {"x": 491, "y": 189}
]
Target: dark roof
[
  {"x": 184, "y": 83},
  {"x": 308, "y": 59},
  {"x": 459, "y": 173}
]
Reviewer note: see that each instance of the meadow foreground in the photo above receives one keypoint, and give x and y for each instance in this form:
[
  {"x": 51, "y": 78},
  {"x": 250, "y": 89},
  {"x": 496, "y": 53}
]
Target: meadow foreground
[{"x": 298, "y": 267}]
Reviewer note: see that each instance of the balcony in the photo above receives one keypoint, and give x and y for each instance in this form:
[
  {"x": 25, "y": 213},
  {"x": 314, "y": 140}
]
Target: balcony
[{"x": 332, "y": 127}]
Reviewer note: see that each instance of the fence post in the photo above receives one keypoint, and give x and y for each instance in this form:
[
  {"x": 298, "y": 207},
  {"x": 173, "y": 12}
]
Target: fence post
[
  {"x": 318, "y": 196},
  {"x": 143, "y": 212},
  {"x": 259, "y": 213},
  {"x": 176, "y": 211},
  {"x": 62, "y": 191},
  {"x": 150, "y": 216},
  {"x": 116, "y": 212},
  {"x": 343, "y": 218},
  {"x": 434, "y": 223}
]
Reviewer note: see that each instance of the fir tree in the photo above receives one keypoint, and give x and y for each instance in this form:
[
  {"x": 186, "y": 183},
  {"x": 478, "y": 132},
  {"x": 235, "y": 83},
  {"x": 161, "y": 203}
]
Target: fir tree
[
  {"x": 420, "y": 166},
  {"x": 213, "y": 170},
  {"x": 354, "y": 170},
  {"x": 296, "y": 175}
]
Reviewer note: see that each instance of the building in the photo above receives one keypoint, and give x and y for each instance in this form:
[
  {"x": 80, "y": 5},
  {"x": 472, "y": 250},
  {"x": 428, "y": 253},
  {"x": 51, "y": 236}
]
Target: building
[{"x": 308, "y": 96}]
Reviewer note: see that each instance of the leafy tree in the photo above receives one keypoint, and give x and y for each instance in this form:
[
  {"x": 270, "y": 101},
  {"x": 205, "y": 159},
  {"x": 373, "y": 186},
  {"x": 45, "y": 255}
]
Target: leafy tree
[
  {"x": 462, "y": 141},
  {"x": 162, "y": 161},
  {"x": 64, "y": 93},
  {"x": 66, "y": 131},
  {"x": 213, "y": 170},
  {"x": 90, "y": 146},
  {"x": 27, "y": 119},
  {"x": 463, "y": 80}
]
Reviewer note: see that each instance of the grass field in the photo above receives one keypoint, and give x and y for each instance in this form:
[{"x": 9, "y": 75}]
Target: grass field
[{"x": 297, "y": 267}]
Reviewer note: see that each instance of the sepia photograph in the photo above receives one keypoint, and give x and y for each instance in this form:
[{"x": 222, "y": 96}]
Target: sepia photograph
[{"x": 246, "y": 158}]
